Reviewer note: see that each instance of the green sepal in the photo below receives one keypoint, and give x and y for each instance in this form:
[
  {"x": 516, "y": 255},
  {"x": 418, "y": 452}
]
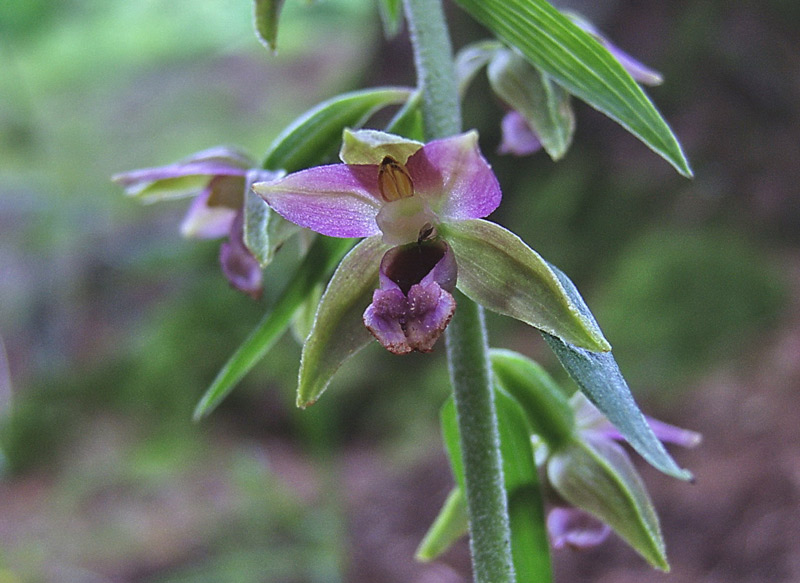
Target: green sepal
[
  {"x": 450, "y": 525},
  {"x": 338, "y": 331},
  {"x": 597, "y": 476},
  {"x": 170, "y": 188},
  {"x": 471, "y": 59},
  {"x": 265, "y": 17},
  {"x": 580, "y": 64},
  {"x": 371, "y": 146},
  {"x": 391, "y": 12},
  {"x": 264, "y": 230},
  {"x": 316, "y": 135},
  {"x": 600, "y": 379},
  {"x": 498, "y": 270},
  {"x": 544, "y": 104},
  {"x": 303, "y": 318},
  {"x": 544, "y": 403},
  {"x": 320, "y": 260}
]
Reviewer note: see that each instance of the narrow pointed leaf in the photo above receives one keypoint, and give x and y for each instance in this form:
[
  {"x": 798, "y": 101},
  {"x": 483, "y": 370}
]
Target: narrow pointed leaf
[
  {"x": 407, "y": 122},
  {"x": 543, "y": 103},
  {"x": 546, "y": 406},
  {"x": 317, "y": 134},
  {"x": 600, "y": 379},
  {"x": 391, "y": 12},
  {"x": 598, "y": 477},
  {"x": 530, "y": 547},
  {"x": 498, "y": 270},
  {"x": 338, "y": 331},
  {"x": 450, "y": 525},
  {"x": 452, "y": 441},
  {"x": 266, "y": 14},
  {"x": 320, "y": 260},
  {"x": 578, "y": 62}
]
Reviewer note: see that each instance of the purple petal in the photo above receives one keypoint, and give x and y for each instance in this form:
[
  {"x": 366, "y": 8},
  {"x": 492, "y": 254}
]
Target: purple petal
[
  {"x": 591, "y": 421},
  {"x": 207, "y": 222},
  {"x": 413, "y": 306},
  {"x": 570, "y": 527},
  {"x": 455, "y": 178},
  {"x": 385, "y": 318},
  {"x": 136, "y": 178},
  {"x": 336, "y": 200},
  {"x": 640, "y": 72},
  {"x": 665, "y": 432},
  {"x": 238, "y": 263},
  {"x": 518, "y": 137}
]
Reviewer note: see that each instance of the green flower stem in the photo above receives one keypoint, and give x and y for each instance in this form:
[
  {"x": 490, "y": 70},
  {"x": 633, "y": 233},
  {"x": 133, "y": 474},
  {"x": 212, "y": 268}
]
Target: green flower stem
[
  {"x": 487, "y": 507},
  {"x": 467, "y": 349},
  {"x": 433, "y": 56}
]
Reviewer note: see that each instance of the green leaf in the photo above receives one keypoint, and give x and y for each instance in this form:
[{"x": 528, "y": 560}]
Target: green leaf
[
  {"x": 530, "y": 547},
  {"x": 450, "y": 525},
  {"x": 266, "y": 14},
  {"x": 498, "y": 270},
  {"x": 544, "y": 104},
  {"x": 545, "y": 405},
  {"x": 529, "y": 543},
  {"x": 391, "y": 12},
  {"x": 264, "y": 230},
  {"x": 317, "y": 134},
  {"x": 578, "y": 62},
  {"x": 452, "y": 443},
  {"x": 338, "y": 331},
  {"x": 597, "y": 476},
  {"x": 320, "y": 260},
  {"x": 600, "y": 379},
  {"x": 407, "y": 122}
]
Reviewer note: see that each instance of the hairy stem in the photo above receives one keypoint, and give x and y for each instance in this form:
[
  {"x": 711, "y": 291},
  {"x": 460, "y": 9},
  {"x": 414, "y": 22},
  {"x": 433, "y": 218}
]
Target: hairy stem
[{"x": 467, "y": 349}]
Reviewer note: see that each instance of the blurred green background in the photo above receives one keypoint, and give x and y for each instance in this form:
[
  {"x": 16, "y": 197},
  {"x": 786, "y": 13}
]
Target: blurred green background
[{"x": 114, "y": 326}]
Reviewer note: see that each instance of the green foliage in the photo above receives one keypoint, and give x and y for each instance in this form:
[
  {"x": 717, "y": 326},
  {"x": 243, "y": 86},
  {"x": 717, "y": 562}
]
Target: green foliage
[
  {"x": 677, "y": 300},
  {"x": 574, "y": 59},
  {"x": 315, "y": 268},
  {"x": 600, "y": 379}
]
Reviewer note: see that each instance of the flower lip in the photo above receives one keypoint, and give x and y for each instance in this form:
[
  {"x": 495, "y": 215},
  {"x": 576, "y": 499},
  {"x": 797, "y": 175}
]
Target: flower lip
[
  {"x": 413, "y": 305},
  {"x": 409, "y": 264}
]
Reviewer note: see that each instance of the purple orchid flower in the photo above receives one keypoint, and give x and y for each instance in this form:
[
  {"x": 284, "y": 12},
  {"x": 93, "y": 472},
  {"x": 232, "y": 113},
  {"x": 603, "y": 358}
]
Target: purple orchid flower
[
  {"x": 574, "y": 527},
  {"x": 520, "y": 139},
  {"x": 218, "y": 179},
  {"x": 402, "y": 192},
  {"x": 420, "y": 207}
]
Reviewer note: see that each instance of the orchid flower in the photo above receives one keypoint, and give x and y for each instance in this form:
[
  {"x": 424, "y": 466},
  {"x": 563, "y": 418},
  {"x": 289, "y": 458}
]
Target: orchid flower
[
  {"x": 420, "y": 207},
  {"x": 521, "y": 134},
  {"x": 218, "y": 179},
  {"x": 590, "y": 482},
  {"x": 582, "y": 481}
]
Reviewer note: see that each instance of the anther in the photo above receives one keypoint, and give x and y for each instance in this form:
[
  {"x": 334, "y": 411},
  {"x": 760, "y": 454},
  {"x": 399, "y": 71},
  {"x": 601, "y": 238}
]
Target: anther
[{"x": 394, "y": 181}]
